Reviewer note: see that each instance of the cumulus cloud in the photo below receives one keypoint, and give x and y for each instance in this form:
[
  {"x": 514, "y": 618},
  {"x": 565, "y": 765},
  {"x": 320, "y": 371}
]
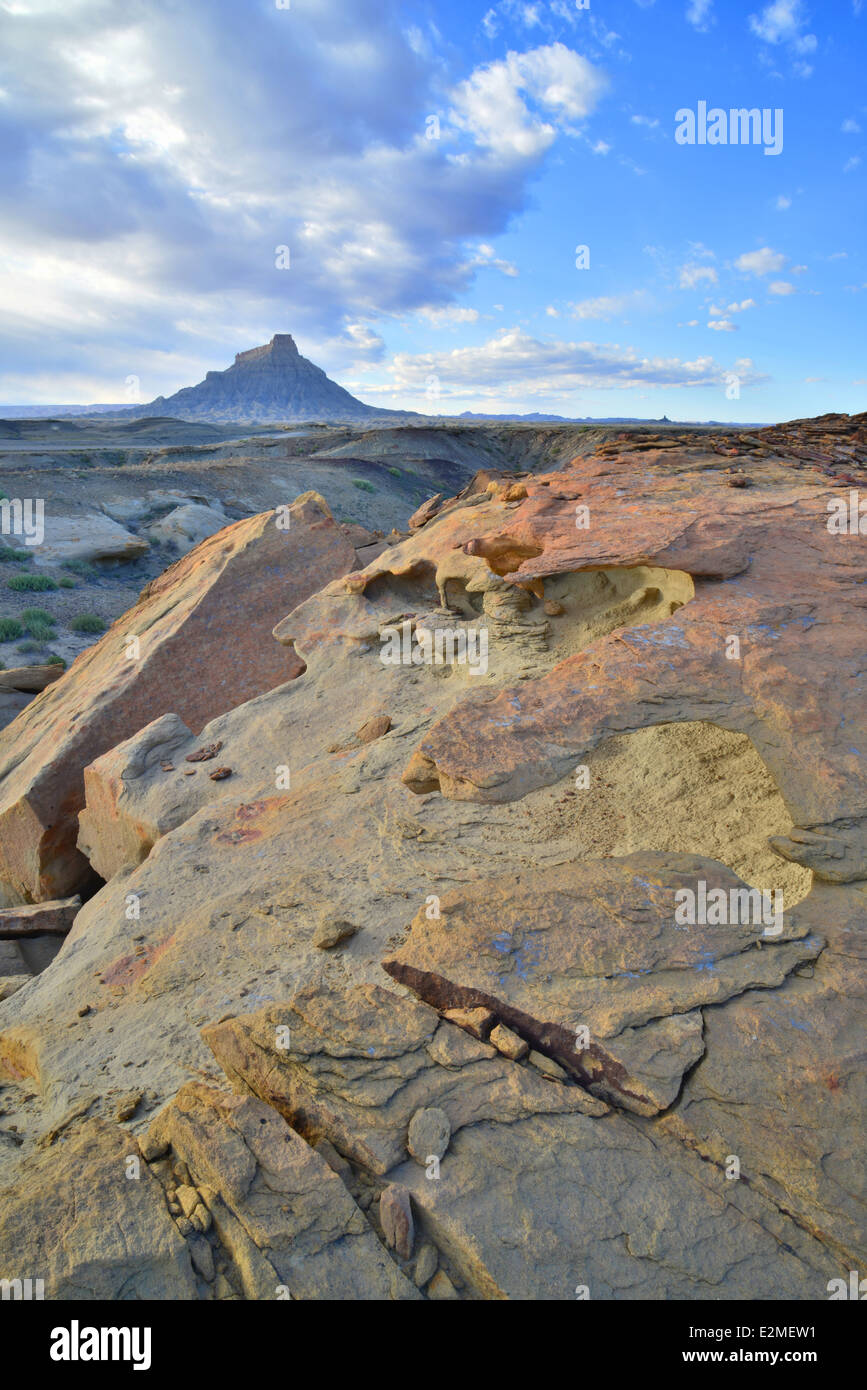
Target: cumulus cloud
[
  {"x": 761, "y": 262},
  {"x": 781, "y": 287},
  {"x": 784, "y": 22},
  {"x": 699, "y": 14},
  {"x": 450, "y": 317},
  {"x": 692, "y": 275},
  {"x": 608, "y": 306},
  {"x": 515, "y": 365},
  {"x": 154, "y": 157},
  {"x": 497, "y": 104}
]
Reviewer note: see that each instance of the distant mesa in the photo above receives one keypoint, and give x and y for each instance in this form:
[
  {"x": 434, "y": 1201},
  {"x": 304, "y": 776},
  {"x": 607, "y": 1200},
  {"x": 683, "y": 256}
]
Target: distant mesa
[{"x": 264, "y": 384}]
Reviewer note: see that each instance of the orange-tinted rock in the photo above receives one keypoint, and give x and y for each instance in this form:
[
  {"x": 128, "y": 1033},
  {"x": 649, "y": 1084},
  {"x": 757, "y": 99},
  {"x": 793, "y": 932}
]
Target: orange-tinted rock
[{"x": 198, "y": 643}]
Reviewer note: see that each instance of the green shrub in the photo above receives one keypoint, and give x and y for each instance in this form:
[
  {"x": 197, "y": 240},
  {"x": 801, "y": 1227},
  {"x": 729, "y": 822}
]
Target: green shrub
[
  {"x": 9, "y": 555},
  {"x": 10, "y": 628},
  {"x": 29, "y": 647},
  {"x": 54, "y": 660},
  {"x": 395, "y": 472},
  {"x": 66, "y": 583},
  {"x": 82, "y": 568},
  {"x": 363, "y": 485},
  {"x": 37, "y": 583},
  {"x": 41, "y": 632},
  {"x": 36, "y": 615},
  {"x": 88, "y": 622}
]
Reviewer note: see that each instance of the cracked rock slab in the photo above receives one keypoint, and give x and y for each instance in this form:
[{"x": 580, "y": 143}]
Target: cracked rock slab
[
  {"x": 362, "y": 1061},
  {"x": 594, "y": 970}
]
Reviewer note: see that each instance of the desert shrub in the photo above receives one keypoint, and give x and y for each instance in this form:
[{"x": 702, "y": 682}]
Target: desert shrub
[
  {"x": 65, "y": 582},
  {"x": 88, "y": 622},
  {"x": 54, "y": 660},
  {"x": 29, "y": 646},
  {"x": 363, "y": 485},
  {"x": 10, "y": 628},
  {"x": 82, "y": 568},
  {"x": 9, "y": 555},
  {"x": 33, "y": 583},
  {"x": 395, "y": 472}
]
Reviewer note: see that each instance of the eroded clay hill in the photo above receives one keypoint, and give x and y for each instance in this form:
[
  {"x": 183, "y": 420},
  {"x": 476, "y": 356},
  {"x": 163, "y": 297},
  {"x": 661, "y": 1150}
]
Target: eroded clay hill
[{"x": 405, "y": 1002}]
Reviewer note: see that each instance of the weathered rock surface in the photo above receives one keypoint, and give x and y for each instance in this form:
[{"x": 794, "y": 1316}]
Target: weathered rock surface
[
  {"x": 200, "y": 645},
  {"x": 87, "y": 537},
  {"x": 574, "y": 966},
  {"x": 610, "y": 755},
  {"x": 286, "y": 1222}
]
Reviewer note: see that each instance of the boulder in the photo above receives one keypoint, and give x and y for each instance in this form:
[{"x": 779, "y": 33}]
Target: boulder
[
  {"x": 187, "y": 526},
  {"x": 88, "y": 538},
  {"x": 198, "y": 643}
]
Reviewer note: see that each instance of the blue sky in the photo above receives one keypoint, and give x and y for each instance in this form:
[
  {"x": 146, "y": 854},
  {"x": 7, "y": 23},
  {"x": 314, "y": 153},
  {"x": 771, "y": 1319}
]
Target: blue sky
[{"x": 155, "y": 155}]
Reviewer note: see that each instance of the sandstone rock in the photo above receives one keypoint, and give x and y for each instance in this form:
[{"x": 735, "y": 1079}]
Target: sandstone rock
[
  {"x": 29, "y": 678},
  {"x": 546, "y": 955},
  {"x": 549, "y": 918},
  {"x": 547, "y": 1066},
  {"x": 395, "y": 1213},
  {"x": 374, "y": 728},
  {"x": 478, "y": 1022},
  {"x": 331, "y": 930},
  {"x": 429, "y": 1134},
  {"x": 187, "y": 526},
  {"x": 53, "y": 1218},
  {"x": 508, "y": 1043},
  {"x": 351, "y": 1045},
  {"x": 128, "y": 1105},
  {"x": 425, "y": 1265},
  {"x": 441, "y": 1287},
  {"x": 202, "y": 630},
  {"x": 279, "y": 1213},
  {"x": 39, "y": 919},
  {"x": 87, "y": 538}
]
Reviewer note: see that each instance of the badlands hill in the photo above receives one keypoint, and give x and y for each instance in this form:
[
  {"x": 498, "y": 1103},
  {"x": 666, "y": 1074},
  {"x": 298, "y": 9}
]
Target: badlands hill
[
  {"x": 375, "y": 967},
  {"x": 269, "y": 383}
]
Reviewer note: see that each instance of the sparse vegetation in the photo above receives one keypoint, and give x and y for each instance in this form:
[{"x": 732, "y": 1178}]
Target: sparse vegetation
[
  {"x": 363, "y": 485},
  {"x": 88, "y": 622},
  {"x": 9, "y": 555},
  {"x": 395, "y": 472},
  {"x": 39, "y": 625},
  {"x": 66, "y": 583},
  {"x": 33, "y": 583},
  {"x": 82, "y": 568},
  {"x": 10, "y": 628},
  {"x": 55, "y": 660}
]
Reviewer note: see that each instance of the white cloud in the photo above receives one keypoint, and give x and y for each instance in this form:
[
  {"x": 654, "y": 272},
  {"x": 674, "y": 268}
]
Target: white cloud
[
  {"x": 783, "y": 22},
  {"x": 607, "y": 306},
  {"x": 850, "y": 127},
  {"x": 783, "y": 203},
  {"x": 143, "y": 205},
  {"x": 515, "y": 365},
  {"x": 492, "y": 104},
  {"x": 723, "y": 326},
  {"x": 449, "y": 317},
  {"x": 650, "y": 121},
  {"x": 853, "y": 163},
  {"x": 692, "y": 275},
  {"x": 698, "y": 13},
  {"x": 781, "y": 287},
  {"x": 735, "y": 308},
  {"x": 762, "y": 262}
]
